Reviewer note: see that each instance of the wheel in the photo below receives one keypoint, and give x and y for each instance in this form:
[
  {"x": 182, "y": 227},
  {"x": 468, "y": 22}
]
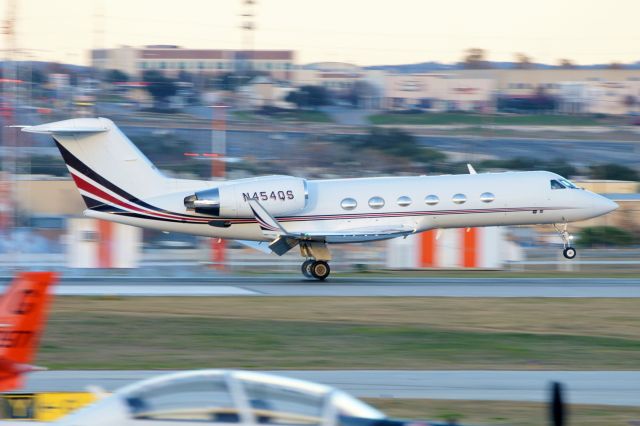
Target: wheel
[
  {"x": 569, "y": 252},
  {"x": 306, "y": 268},
  {"x": 320, "y": 270}
]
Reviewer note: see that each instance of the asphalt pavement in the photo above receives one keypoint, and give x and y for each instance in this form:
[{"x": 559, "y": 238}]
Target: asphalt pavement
[{"x": 288, "y": 285}]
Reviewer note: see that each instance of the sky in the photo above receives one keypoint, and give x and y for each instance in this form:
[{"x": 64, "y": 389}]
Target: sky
[{"x": 356, "y": 31}]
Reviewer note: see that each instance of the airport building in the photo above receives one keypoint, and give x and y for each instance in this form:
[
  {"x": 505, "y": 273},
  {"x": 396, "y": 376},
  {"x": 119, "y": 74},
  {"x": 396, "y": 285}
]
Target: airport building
[
  {"x": 171, "y": 60},
  {"x": 342, "y": 78},
  {"x": 438, "y": 92},
  {"x": 599, "y": 97},
  {"x": 517, "y": 82}
]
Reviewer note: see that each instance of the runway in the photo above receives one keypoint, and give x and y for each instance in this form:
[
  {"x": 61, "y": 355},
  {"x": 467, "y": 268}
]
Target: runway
[
  {"x": 583, "y": 387},
  {"x": 287, "y": 285}
]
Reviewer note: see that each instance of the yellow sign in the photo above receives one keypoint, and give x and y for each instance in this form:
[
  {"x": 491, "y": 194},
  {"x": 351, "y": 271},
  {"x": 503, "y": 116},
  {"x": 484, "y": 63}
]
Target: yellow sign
[
  {"x": 52, "y": 406},
  {"x": 46, "y": 406}
]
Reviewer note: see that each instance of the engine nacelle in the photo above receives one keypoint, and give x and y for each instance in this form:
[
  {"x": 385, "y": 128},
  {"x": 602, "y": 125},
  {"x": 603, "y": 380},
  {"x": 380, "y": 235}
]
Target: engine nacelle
[{"x": 279, "y": 195}]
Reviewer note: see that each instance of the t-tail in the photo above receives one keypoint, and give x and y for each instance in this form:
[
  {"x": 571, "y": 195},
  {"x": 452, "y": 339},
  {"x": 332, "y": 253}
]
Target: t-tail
[
  {"x": 23, "y": 314},
  {"x": 106, "y": 166}
]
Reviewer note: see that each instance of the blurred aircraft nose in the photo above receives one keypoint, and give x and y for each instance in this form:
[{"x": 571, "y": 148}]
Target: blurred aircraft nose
[{"x": 603, "y": 205}]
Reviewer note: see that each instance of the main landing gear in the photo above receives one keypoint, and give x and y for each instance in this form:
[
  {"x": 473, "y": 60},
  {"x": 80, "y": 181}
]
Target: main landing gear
[
  {"x": 317, "y": 263},
  {"x": 568, "y": 251},
  {"x": 318, "y": 269}
]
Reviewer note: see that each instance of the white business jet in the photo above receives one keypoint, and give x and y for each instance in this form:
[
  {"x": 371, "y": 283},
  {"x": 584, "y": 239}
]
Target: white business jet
[{"x": 278, "y": 213}]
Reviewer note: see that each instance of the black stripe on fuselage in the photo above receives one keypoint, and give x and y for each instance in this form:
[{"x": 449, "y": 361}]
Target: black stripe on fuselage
[{"x": 78, "y": 165}]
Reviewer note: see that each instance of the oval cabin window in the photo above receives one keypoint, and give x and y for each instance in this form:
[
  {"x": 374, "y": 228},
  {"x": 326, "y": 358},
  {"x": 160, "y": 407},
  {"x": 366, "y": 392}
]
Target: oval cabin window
[
  {"x": 376, "y": 202},
  {"x": 349, "y": 204},
  {"x": 459, "y": 199},
  {"x": 404, "y": 201},
  {"x": 487, "y": 197},
  {"x": 431, "y": 200}
]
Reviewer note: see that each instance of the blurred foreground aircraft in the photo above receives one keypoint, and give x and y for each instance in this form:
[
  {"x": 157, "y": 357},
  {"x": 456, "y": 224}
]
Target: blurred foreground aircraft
[
  {"x": 241, "y": 398},
  {"x": 278, "y": 213},
  {"x": 229, "y": 397},
  {"x": 23, "y": 314}
]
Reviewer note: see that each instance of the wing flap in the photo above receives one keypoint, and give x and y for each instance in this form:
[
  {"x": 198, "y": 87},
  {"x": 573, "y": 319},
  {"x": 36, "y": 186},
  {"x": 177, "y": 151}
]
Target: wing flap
[
  {"x": 357, "y": 235},
  {"x": 284, "y": 240}
]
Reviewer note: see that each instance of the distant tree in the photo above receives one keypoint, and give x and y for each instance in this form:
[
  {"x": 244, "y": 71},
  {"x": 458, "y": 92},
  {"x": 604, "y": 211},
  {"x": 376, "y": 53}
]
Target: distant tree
[
  {"x": 536, "y": 103},
  {"x": 360, "y": 91},
  {"x": 115, "y": 76},
  {"x": 615, "y": 66},
  {"x": 558, "y": 166},
  {"x": 160, "y": 87},
  {"x": 629, "y": 101},
  {"x": 232, "y": 80},
  {"x": 399, "y": 143},
  {"x": 523, "y": 61},
  {"x": 38, "y": 77},
  {"x": 186, "y": 76},
  {"x": 47, "y": 165},
  {"x": 613, "y": 171},
  {"x": 566, "y": 64},
  {"x": 599, "y": 236},
  {"x": 475, "y": 58},
  {"x": 34, "y": 75},
  {"x": 309, "y": 97}
]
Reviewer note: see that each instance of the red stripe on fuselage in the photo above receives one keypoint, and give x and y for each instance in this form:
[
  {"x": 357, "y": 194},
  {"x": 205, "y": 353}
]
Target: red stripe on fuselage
[{"x": 88, "y": 187}]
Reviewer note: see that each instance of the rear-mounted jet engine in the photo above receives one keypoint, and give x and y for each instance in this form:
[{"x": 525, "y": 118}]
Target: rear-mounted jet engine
[{"x": 280, "y": 195}]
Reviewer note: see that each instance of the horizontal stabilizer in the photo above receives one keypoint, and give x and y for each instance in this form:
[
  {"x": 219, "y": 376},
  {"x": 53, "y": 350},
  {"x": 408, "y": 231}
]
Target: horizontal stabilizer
[{"x": 76, "y": 125}]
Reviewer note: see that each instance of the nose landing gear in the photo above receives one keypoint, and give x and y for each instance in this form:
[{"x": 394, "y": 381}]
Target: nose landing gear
[{"x": 568, "y": 251}]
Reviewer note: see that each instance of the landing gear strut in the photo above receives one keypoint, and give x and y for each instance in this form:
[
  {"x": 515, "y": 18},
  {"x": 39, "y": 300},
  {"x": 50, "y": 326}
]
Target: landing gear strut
[
  {"x": 316, "y": 266},
  {"x": 568, "y": 251}
]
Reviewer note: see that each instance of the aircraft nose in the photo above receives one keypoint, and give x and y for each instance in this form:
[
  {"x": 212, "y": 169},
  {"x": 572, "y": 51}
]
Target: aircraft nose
[{"x": 604, "y": 205}]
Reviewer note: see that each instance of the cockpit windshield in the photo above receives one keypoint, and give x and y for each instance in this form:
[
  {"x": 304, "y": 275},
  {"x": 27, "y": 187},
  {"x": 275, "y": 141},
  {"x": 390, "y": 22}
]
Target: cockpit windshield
[
  {"x": 220, "y": 396},
  {"x": 562, "y": 183},
  {"x": 567, "y": 183}
]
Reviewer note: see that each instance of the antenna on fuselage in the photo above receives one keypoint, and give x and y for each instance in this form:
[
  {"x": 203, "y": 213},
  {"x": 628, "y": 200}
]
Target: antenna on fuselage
[{"x": 472, "y": 171}]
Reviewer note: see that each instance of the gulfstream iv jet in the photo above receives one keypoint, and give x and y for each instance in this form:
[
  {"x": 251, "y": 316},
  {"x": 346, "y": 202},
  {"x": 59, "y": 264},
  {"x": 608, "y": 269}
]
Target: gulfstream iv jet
[{"x": 119, "y": 184}]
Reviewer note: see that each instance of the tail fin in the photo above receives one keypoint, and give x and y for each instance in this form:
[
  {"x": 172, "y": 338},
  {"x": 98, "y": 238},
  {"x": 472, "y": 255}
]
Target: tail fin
[
  {"x": 23, "y": 313},
  {"x": 103, "y": 162}
]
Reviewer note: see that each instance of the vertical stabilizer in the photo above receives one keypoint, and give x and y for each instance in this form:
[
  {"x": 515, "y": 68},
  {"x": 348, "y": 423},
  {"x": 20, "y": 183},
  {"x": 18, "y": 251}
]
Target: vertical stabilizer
[{"x": 103, "y": 162}]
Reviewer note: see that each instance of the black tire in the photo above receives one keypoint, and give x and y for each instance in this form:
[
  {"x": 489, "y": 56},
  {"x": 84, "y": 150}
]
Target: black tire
[
  {"x": 569, "y": 252},
  {"x": 306, "y": 268},
  {"x": 320, "y": 270}
]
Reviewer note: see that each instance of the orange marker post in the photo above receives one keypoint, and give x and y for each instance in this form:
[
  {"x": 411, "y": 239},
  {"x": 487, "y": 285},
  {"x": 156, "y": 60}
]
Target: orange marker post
[{"x": 218, "y": 148}]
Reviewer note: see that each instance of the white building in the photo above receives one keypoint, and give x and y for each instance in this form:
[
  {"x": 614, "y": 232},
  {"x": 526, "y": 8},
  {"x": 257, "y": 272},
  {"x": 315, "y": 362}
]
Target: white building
[
  {"x": 438, "y": 92},
  {"x": 599, "y": 97},
  {"x": 171, "y": 60},
  {"x": 342, "y": 79},
  {"x": 264, "y": 92}
]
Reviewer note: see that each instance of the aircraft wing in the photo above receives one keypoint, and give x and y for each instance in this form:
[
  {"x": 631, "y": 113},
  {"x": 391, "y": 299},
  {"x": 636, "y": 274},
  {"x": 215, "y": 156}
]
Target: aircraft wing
[{"x": 285, "y": 240}]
